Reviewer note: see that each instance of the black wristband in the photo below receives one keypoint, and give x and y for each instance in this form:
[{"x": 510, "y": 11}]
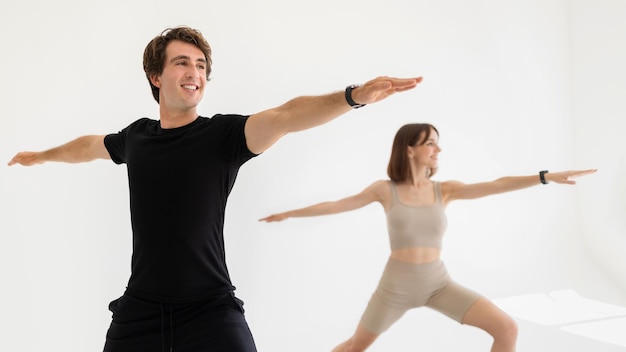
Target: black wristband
[
  {"x": 542, "y": 176},
  {"x": 349, "y": 97}
]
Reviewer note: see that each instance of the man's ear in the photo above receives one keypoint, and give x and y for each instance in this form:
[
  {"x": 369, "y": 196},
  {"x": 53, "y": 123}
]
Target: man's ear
[{"x": 155, "y": 80}]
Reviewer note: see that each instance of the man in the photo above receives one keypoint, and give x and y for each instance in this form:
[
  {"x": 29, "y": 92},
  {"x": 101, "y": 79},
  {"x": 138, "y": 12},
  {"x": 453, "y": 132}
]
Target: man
[{"x": 181, "y": 169}]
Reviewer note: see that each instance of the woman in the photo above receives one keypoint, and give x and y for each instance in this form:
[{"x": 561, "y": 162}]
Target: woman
[{"x": 414, "y": 275}]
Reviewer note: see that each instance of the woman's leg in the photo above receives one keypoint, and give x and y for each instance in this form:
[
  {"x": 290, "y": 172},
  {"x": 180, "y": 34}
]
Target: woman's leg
[
  {"x": 360, "y": 341},
  {"x": 469, "y": 307},
  {"x": 384, "y": 308},
  {"x": 487, "y": 316}
]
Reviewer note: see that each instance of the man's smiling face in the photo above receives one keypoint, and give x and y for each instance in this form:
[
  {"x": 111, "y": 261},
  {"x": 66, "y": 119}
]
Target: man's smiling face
[{"x": 183, "y": 78}]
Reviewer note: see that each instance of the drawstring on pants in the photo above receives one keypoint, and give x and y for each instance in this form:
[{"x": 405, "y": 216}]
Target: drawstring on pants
[{"x": 163, "y": 329}]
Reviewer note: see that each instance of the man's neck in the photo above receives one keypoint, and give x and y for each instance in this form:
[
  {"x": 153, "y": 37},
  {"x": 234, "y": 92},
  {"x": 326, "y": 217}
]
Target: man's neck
[{"x": 171, "y": 119}]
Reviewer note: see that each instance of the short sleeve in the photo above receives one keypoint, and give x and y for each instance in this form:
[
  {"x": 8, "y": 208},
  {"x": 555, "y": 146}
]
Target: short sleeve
[
  {"x": 233, "y": 127},
  {"x": 116, "y": 145}
]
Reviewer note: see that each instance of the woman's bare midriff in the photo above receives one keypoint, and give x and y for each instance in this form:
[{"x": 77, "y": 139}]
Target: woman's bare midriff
[{"x": 416, "y": 255}]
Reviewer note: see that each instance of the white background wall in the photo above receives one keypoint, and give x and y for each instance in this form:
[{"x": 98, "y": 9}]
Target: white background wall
[{"x": 513, "y": 87}]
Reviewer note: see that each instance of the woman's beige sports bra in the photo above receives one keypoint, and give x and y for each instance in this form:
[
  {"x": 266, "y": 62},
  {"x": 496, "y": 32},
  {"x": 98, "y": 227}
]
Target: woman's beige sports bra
[{"x": 416, "y": 226}]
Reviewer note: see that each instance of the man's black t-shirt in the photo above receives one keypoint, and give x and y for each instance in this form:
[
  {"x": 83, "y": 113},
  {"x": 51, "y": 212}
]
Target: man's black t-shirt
[{"x": 179, "y": 180}]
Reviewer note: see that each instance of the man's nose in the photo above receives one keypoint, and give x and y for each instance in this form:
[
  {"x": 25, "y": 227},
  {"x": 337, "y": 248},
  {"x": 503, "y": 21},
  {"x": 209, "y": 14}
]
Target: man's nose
[{"x": 193, "y": 72}]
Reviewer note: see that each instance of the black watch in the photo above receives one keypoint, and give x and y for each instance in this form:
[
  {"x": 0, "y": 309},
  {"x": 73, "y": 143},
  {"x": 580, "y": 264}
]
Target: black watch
[
  {"x": 542, "y": 176},
  {"x": 349, "y": 97}
]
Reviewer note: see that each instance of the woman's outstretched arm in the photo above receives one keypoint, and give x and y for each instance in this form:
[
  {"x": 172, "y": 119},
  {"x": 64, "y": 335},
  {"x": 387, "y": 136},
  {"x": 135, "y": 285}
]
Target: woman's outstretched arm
[
  {"x": 373, "y": 193},
  {"x": 457, "y": 190}
]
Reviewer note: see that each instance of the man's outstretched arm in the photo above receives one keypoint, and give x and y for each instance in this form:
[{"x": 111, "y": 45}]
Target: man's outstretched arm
[
  {"x": 265, "y": 128},
  {"x": 81, "y": 149}
]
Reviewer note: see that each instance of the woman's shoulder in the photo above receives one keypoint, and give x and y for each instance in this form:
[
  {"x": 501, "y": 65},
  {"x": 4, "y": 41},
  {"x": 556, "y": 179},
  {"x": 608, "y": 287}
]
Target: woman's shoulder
[
  {"x": 381, "y": 184},
  {"x": 448, "y": 188},
  {"x": 380, "y": 190},
  {"x": 449, "y": 184}
]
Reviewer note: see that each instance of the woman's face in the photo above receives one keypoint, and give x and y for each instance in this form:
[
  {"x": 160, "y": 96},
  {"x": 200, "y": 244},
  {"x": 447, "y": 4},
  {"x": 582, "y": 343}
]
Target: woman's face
[{"x": 425, "y": 152}]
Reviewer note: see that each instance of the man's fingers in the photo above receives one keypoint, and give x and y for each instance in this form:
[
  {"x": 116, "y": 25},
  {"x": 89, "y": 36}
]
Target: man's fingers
[
  {"x": 404, "y": 89},
  {"x": 14, "y": 160},
  {"x": 382, "y": 87},
  {"x": 401, "y": 84}
]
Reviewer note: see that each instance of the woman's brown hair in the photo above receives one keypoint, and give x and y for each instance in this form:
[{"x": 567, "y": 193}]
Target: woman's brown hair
[{"x": 408, "y": 135}]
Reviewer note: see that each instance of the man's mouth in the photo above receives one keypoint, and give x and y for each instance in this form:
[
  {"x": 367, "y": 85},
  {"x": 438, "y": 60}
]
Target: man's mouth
[{"x": 190, "y": 87}]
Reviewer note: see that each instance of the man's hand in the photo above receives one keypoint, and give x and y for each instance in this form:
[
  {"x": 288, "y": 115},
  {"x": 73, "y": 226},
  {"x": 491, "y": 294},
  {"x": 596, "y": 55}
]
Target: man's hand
[
  {"x": 26, "y": 159},
  {"x": 382, "y": 87}
]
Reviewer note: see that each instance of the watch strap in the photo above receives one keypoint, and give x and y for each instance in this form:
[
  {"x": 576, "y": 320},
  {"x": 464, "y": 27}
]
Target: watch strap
[{"x": 349, "y": 99}]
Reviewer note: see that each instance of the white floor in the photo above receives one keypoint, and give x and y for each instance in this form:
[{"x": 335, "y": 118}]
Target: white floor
[
  {"x": 561, "y": 320},
  {"x": 564, "y": 318}
]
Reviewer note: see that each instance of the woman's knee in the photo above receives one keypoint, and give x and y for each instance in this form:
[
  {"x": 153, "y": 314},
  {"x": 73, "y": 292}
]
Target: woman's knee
[
  {"x": 507, "y": 330},
  {"x": 487, "y": 316}
]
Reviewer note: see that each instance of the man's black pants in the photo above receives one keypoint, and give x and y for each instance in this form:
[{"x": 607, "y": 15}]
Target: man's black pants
[{"x": 212, "y": 325}]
